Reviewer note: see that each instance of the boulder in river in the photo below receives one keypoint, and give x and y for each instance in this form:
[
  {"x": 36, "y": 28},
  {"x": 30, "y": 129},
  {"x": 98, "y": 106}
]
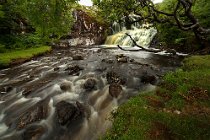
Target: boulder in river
[
  {"x": 90, "y": 84},
  {"x": 33, "y": 133},
  {"x": 147, "y": 78},
  {"x": 121, "y": 58},
  {"x": 67, "y": 113},
  {"x": 115, "y": 90},
  {"x": 65, "y": 86},
  {"x": 34, "y": 114},
  {"x": 73, "y": 69},
  {"x": 78, "y": 57},
  {"x": 113, "y": 77}
]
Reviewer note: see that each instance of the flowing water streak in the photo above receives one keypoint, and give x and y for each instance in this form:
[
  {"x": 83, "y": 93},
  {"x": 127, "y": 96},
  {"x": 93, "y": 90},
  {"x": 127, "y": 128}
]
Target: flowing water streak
[{"x": 142, "y": 36}]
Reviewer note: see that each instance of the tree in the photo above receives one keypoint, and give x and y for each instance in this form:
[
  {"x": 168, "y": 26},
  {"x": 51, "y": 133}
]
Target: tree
[
  {"x": 46, "y": 16},
  {"x": 177, "y": 13}
]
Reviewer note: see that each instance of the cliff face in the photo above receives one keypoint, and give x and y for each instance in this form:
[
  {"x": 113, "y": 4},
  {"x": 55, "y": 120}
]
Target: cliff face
[{"x": 86, "y": 30}]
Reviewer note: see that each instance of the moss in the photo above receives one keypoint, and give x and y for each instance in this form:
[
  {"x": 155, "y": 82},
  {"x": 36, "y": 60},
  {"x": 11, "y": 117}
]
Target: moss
[
  {"x": 7, "y": 58},
  {"x": 178, "y": 109}
]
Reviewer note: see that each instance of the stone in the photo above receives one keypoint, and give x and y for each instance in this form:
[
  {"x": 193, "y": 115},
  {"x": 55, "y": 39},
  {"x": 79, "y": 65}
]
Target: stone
[
  {"x": 90, "y": 84},
  {"x": 74, "y": 69},
  {"x": 67, "y": 113},
  {"x": 65, "y": 86},
  {"x": 39, "y": 112},
  {"x": 171, "y": 51},
  {"x": 113, "y": 77},
  {"x": 115, "y": 90},
  {"x": 33, "y": 133},
  {"x": 121, "y": 58},
  {"x": 148, "y": 79},
  {"x": 78, "y": 57},
  {"x": 132, "y": 60},
  {"x": 56, "y": 69}
]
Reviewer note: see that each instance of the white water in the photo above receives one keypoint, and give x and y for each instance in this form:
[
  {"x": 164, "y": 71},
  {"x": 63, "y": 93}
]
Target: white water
[{"x": 143, "y": 37}]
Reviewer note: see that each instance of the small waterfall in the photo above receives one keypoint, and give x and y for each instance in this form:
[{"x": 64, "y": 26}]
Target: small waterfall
[{"x": 142, "y": 36}]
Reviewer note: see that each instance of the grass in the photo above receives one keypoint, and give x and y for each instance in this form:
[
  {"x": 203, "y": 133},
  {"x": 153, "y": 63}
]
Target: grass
[
  {"x": 178, "y": 109},
  {"x": 7, "y": 58}
]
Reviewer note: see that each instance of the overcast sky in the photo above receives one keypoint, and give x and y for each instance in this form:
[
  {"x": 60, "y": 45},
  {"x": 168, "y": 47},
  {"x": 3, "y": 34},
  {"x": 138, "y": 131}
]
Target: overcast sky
[{"x": 89, "y": 2}]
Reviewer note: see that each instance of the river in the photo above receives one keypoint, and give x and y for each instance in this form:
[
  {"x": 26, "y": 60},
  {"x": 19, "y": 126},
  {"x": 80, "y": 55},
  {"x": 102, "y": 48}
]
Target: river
[{"x": 69, "y": 94}]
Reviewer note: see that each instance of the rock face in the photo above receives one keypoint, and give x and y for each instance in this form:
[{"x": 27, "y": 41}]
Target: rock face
[
  {"x": 67, "y": 113},
  {"x": 115, "y": 90},
  {"x": 85, "y": 31}
]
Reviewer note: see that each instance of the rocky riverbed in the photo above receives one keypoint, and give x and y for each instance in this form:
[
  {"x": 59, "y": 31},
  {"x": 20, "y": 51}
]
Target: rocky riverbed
[{"x": 70, "y": 93}]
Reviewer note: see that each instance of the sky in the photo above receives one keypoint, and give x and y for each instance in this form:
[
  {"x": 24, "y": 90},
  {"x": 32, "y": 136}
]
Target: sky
[{"x": 89, "y": 2}]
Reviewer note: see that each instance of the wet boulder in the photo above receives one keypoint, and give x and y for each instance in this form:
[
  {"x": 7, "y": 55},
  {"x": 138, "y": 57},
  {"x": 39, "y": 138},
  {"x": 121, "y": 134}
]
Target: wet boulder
[
  {"x": 33, "y": 133},
  {"x": 115, "y": 90},
  {"x": 73, "y": 69},
  {"x": 56, "y": 69},
  {"x": 90, "y": 84},
  {"x": 171, "y": 51},
  {"x": 121, "y": 58},
  {"x": 66, "y": 86},
  {"x": 78, "y": 57},
  {"x": 34, "y": 114},
  {"x": 147, "y": 78},
  {"x": 67, "y": 113},
  {"x": 113, "y": 77},
  {"x": 6, "y": 89}
]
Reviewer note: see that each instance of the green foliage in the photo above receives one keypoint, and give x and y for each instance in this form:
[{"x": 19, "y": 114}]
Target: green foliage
[
  {"x": 172, "y": 111},
  {"x": 174, "y": 36},
  {"x": 49, "y": 16},
  {"x": 115, "y": 10},
  {"x": 8, "y": 57}
]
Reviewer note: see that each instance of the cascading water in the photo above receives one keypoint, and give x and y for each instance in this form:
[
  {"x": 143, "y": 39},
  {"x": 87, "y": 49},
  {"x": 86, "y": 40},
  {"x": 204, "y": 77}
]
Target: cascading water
[
  {"x": 142, "y": 34},
  {"x": 143, "y": 37}
]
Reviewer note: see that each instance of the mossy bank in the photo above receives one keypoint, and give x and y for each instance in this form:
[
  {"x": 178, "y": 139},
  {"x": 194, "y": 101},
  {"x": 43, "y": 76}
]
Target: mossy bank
[
  {"x": 178, "y": 109},
  {"x": 17, "y": 56}
]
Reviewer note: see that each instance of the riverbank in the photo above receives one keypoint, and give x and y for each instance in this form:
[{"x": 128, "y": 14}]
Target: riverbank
[
  {"x": 19, "y": 56},
  {"x": 178, "y": 109}
]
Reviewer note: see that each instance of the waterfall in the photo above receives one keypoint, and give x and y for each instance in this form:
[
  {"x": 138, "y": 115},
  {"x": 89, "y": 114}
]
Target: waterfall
[{"x": 142, "y": 36}]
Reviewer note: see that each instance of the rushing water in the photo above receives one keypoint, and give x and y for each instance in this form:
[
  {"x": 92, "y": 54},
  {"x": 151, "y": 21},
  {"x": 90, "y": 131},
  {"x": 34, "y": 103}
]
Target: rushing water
[
  {"x": 142, "y": 36},
  {"x": 31, "y": 92}
]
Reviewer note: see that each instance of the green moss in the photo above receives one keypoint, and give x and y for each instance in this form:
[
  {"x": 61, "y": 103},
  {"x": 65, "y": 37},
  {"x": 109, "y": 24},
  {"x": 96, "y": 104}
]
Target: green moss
[
  {"x": 8, "y": 57},
  {"x": 178, "y": 109}
]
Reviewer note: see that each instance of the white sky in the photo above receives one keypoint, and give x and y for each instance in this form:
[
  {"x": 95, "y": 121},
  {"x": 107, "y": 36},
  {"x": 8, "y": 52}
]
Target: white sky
[{"x": 89, "y": 2}]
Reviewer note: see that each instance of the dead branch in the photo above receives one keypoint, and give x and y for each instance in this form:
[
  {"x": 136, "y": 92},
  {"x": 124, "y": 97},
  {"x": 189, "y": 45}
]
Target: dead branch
[{"x": 142, "y": 48}]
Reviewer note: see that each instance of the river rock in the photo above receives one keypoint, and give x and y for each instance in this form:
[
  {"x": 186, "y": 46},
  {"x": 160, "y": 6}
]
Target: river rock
[
  {"x": 90, "y": 84},
  {"x": 148, "y": 79},
  {"x": 85, "y": 108},
  {"x": 73, "y": 69},
  {"x": 115, "y": 90},
  {"x": 33, "y": 133},
  {"x": 65, "y": 86},
  {"x": 33, "y": 115},
  {"x": 171, "y": 51},
  {"x": 122, "y": 59},
  {"x": 78, "y": 57},
  {"x": 56, "y": 69},
  {"x": 67, "y": 113},
  {"x": 113, "y": 77}
]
